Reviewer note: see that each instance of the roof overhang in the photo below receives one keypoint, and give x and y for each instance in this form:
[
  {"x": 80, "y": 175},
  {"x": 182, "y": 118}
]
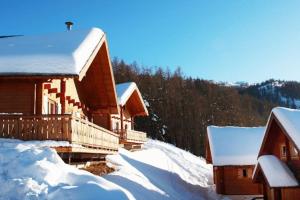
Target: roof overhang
[
  {"x": 133, "y": 101},
  {"x": 273, "y": 119},
  {"x": 96, "y": 84},
  {"x": 286, "y": 180}
]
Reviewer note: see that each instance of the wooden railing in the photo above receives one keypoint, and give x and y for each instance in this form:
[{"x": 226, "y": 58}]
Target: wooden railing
[
  {"x": 89, "y": 134},
  {"x": 57, "y": 127},
  {"x": 132, "y": 136}
]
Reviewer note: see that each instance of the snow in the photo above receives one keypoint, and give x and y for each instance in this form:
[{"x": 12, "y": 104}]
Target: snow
[
  {"x": 289, "y": 119},
  {"x": 234, "y": 145},
  {"x": 37, "y": 144},
  {"x": 276, "y": 172},
  {"x": 146, "y": 103},
  {"x": 124, "y": 91},
  {"x": 29, "y": 170},
  {"x": 57, "y": 53}
]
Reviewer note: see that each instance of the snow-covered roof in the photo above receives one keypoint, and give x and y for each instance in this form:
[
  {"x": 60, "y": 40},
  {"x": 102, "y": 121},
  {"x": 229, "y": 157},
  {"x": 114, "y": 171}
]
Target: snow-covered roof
[
  {"x": 64, "y": 53},
  {"x": 124, "y": 90},
  {"x": 234, "y": 145},
  {"x": 276, "y": 172},
  {"x": 290, "y": 120}
]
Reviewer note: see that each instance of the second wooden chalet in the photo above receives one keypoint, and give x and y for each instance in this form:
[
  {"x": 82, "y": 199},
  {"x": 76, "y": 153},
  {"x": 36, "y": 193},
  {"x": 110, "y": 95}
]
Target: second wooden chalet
[
  {"x": 278, "y": 168},
  {"x": 233, "y": 152},
  {"x": 56, "y": 87},
  {"x": 131, "y": 105}
]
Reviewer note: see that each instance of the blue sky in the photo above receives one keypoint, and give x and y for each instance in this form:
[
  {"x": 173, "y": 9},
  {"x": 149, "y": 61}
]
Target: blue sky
[{"x": 225, "y": 40}]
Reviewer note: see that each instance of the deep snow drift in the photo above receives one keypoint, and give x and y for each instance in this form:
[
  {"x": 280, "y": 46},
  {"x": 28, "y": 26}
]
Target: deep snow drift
[{"x": 31, "y": 170}]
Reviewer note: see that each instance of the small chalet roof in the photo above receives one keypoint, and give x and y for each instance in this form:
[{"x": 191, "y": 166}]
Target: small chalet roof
[
  {"x": 64, "y": 53},
  {"x": 290, "y": 120},
  {"x": 275, "y": 171},
  {"x": 126, "y": 91},
  {"x": 234, "y": 145}
]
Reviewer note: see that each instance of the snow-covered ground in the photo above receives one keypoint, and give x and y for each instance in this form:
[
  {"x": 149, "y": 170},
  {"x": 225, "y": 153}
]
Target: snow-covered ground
[{"x": 31, "y": 170}]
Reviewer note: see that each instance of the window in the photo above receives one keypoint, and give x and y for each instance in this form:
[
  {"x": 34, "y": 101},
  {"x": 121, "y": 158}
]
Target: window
[
  {"x": 294, "y": 152},
  {"x": 245, "y": 174},
  {"x": 52, "y": 107},
  {"x": 283, "y": 151},
  {"x": 117, "y": 125}
]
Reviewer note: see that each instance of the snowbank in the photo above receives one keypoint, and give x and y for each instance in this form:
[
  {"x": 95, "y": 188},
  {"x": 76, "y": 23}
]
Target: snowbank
[{"x": 30, "y": 170}]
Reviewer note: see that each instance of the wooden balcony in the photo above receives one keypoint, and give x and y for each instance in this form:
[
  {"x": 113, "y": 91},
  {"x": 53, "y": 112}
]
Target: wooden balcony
[
  {"x": 132, "y": 136},
  {"x": 84, "y": 136}
]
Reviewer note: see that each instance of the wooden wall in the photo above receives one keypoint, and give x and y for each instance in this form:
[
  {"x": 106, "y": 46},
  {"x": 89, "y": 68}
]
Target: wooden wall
[
  {"x": 281, "y": 193},
  {"x": 208, "y": 157},
  {"x": 70, "y": 92},
  {"x": 229, "y": 180},
  {"x": 29, "y": 97},
  {"x": 126, "y": 120},
  {"x": 290, "y": 193},
  {"x": 274, "y": 142},
  {"x": 17, "y": 96},
  {"x": 102, "y": 120}
]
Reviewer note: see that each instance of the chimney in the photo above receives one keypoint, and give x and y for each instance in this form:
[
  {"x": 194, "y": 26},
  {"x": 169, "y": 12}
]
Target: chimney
[{"x": 69, "y": 25}]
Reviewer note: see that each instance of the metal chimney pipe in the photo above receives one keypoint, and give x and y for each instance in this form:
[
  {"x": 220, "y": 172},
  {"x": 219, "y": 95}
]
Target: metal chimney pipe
[{"x": 69, "y": 25}]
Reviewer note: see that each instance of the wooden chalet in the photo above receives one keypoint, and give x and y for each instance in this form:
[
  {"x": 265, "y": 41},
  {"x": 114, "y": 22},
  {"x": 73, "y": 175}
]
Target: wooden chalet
[
  {"x": 131, "y": 105},
  {"x": 57, "y": 87},
  {"x": 278, "y": 167},
  {"x": 233, "y": 151}
]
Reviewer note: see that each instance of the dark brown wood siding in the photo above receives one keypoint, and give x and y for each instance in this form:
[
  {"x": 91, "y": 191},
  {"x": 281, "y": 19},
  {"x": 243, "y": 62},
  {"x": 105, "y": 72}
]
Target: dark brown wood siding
[
  {"x": 276, "y": 138},
  {"x": 218, "y": 179},
  {"x": 229, "y": 180},
  {"x": 17, "y": 96},
  {"x": 290, "y": 193},
  {"x": 102, "y": 120},
  {"x": 207, "y": 151}
]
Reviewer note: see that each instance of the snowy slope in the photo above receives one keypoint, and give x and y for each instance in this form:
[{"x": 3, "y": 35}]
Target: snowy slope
[{"x": 160, "y": 171}]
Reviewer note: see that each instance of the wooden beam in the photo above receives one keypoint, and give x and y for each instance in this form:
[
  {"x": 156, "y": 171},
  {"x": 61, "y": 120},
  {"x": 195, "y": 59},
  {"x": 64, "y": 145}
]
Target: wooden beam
[
  {"x": 122, "y": 128},
  {"x": 47, "y": 86},
  {"x": 58, "y": 95},
  {"x": 39, "y": 98},
  {"x": 71, "y": 101},
  {"x": 62, "y": 97},
  {"x": 78, "y": 104},
  {"x": 52, "y": 90},
  {"x": 84, "y": 150}
]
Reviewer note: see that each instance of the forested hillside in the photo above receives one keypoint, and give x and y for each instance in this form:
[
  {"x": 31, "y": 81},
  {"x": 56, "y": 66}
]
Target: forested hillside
[
  {"x": 283, "y": 93},
  {"x": 181, "y": 107}
]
